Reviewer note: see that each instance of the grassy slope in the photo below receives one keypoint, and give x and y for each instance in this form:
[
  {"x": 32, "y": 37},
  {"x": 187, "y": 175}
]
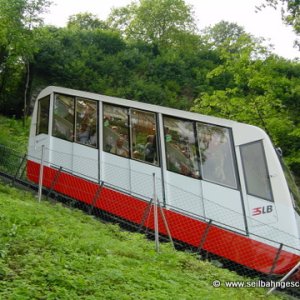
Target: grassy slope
[
  {"x": 48, "y": 251},
  {"x": 14, "y": 134}
]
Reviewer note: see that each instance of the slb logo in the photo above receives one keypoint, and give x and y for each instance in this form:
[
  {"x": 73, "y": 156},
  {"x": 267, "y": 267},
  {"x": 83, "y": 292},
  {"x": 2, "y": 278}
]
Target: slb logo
[{"x": 262, "y": 210}]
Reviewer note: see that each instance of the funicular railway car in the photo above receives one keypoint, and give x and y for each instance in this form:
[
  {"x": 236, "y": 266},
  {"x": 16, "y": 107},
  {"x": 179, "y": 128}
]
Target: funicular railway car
[{"x": 221, "y": 183}]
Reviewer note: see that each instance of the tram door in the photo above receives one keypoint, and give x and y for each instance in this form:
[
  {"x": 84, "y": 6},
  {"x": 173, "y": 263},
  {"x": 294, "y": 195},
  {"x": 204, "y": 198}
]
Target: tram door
[
  {"x": 115, "y": 155},
  {"x": 182, "y": 185},
  {"x": 201, "y": 176},
  {"x": 130, "y": 155},
  {"x": 85, "y": 147},
  {"x": 145, "y": 171},
  {"x": 61, "y": 148},
  {"x": 41, "y": 137},
  {"x": 74, "y": 136},
  {"x": 222, "y": 198}
]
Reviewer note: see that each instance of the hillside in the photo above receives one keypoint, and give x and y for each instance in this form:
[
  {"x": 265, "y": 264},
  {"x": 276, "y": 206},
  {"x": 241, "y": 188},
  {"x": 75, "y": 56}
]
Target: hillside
[{"x": 48, "y": 251}]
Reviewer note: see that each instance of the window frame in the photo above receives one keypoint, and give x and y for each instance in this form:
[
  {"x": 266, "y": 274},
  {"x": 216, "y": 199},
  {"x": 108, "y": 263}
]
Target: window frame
[
  {"x": 54, "y": 99},
  {"x": 200, "y": 177},
  {"x": 37, "y": 132},
  {"x": 264, "y": 157},
  {"x": 76, "y": 99},
  {"x": 233, "y": 155},
  {"x": 128, "y": 128},
  {"x": 193, "y": 123},
  {"x": 158, "y": 148}
]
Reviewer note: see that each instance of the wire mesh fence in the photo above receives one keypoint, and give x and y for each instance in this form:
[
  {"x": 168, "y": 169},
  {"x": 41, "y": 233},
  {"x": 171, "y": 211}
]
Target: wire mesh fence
[{"x": 138, "y": 204}]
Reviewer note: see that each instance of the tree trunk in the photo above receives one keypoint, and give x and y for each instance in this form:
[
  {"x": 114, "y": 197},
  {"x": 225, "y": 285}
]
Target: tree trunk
[{"x": 25, "y": 92}]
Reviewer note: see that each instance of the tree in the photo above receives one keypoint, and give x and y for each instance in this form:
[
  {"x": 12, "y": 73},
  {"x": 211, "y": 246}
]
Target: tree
[
  {"x": 18, "y": 19},
  {"x": 157, "y": 22},
  {"x": 250, "y": 85},
  {"x": 223, "y": 33},
  {"x": 81, "y": 59},
  {"x": 85, "y": 21}
]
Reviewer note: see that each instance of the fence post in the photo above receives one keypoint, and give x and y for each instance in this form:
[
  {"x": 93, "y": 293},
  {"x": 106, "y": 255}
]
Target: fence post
[
  {"x": 96, "y": 196},
  {"x": 204, "y": 236},
  {"x": 166, "y": 224},
  {"x": 285, "y": 277},
  {"x": 54, "y": 181},
  {"x": 275, "y": 260},
  {"x": 19, "y": 168},
  {"x": 41, "y": 175},
  {"x": 145, "y": 215}
]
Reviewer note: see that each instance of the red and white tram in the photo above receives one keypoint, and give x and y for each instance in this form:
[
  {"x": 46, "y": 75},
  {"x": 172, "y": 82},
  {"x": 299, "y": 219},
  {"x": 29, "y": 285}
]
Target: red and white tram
[{"x": 222, "y": 183}]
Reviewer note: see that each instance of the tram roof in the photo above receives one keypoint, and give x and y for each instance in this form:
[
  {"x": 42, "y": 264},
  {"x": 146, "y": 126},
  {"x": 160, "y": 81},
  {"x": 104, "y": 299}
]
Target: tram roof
[{"x": 141, "y": 105}]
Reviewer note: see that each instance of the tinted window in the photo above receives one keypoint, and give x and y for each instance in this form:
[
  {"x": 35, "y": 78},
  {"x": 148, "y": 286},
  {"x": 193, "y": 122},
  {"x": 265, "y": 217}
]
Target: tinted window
[
  {"x": 255, "y": 170},
  {"x": 181, "y": 147},
  {"x": 115, "y": 130},
  {"x": 143, "y": 133},
  {"x": 86, "y": 122},
  {"x": 43, "y": 115},
  {"x": 63, "y": 117},
  {"x": 216, "y": 157}
]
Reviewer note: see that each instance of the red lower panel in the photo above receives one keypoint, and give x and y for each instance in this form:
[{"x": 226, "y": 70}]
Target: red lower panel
[{"x": 233, "y": 246}]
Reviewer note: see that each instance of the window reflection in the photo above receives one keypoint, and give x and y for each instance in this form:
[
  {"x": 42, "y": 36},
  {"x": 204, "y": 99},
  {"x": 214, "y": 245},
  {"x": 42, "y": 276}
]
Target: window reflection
[
  {"x": 115, "y": 130},
  {"x": 216, "y": 155},
  {"x": 86, "y": 122},
  {"x": 255, "y": 170},
  {"x": 181, "y": 147},
  {"x": 63, "y": 117},
  {"x": 43, "y": 115},
  {"x": 143, "y": 133}
]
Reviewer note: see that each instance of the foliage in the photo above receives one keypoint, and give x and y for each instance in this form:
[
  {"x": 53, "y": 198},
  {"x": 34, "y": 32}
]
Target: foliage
[
  {"x": 222, "y": 34},
  {"x": 48, "y": 251},
  {"x": 154, "y": 21},
  {"x": 150, "y": 51},
  {"x": 252, "y": 86},
  {"x": 17, "y": 45},
  {"x": 13, "y": 144},
  {"x": 86, "y": 21},
  {"x": 100, "y": 61},
  {"x": 13, "y": 134}
]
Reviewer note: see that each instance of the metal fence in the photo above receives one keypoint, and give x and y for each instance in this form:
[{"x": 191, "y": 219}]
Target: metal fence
[{"x": 264, "y": 250}]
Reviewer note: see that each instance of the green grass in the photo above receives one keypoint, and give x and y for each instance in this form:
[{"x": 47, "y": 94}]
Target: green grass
[
  {"x": 48, "y": 251},
  {"x": 13, "y": 134}
]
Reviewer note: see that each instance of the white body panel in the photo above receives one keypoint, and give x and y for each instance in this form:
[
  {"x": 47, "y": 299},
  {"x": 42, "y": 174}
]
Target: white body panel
[
  {"x": 185, "y": 194},
  {"x": 35, "y": 148},
  {"x": 115, "y": 171},
  {"x": 61, "y": 154},
  {"x": 85, "y": 162},
  {"x": 142, "y": 181},
  {"x": 223, "y": 206}
]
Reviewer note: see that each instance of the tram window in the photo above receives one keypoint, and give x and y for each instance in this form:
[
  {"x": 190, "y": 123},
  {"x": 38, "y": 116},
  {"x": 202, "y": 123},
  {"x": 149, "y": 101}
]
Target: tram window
[
  {"x": 43, "y": 115},
  {"x": 255, "y": 170},
  {"x": 181, "y": 147},
  {"x": 216, "y": 156},
  {"x": 86, "y": 122},
  {"x": 115, "y": 130},
  {"x": 63, "y": 117},
  {"x": 143, "y": 133}
]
